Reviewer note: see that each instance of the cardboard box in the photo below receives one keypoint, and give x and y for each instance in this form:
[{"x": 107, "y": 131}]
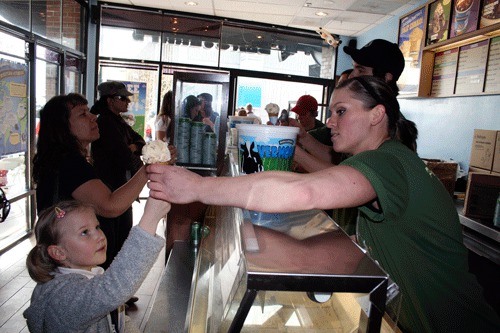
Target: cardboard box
[
  {"x": 496, "y": 157},
  {"x": 446, "y": 171},
  {"x": 481, "y": 196},
  {"x": 483, "y": 149},
  {"x": 478, "y": 170}
]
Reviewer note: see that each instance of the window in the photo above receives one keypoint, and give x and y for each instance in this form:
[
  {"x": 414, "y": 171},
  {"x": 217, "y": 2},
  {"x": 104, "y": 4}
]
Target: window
[
  {"x": 259, "y": 92},
  {"x": 275, "y": 52},
  {"x": 142, "y": 81},
  {"x": 126, "y": 43},
  {"x": 14, "y": 136},
  {"x": 16, "y": 13},
  {"x": 73, "y": 74},
  {"x": 48, "y": 69}
]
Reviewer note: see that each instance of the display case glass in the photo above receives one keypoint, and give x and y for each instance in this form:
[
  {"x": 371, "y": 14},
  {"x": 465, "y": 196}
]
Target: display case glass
[
  {"x": 200, "y": 106},
  {"x": 281, "y": 273}
]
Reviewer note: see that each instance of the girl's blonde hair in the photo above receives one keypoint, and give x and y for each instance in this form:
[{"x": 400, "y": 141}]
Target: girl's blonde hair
[{"x": 47, "y": 232}]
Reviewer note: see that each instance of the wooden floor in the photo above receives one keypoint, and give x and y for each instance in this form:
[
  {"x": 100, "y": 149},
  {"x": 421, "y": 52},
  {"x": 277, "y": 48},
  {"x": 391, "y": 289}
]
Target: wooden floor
[{"x": 16, "y": 285}]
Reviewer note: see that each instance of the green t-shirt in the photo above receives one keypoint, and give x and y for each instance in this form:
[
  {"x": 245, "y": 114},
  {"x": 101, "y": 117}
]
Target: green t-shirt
[
  {"x": 321, "y": 133},
  {"x": 417, "y": 238}
]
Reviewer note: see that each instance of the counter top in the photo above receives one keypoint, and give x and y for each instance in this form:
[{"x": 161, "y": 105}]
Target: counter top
[
  {"x": 170, "y": 306},
  {"x": 479, "y": 237}
]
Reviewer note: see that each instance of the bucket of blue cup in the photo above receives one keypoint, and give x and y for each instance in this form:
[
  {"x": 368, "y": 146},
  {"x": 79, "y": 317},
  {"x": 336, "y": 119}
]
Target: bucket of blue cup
[{"x": 265, "y": 148}]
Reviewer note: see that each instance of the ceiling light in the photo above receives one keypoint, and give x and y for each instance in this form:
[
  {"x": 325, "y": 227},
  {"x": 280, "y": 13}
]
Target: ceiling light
[
  {"x": 191, "y": 3},
  {"x": 308, "y": 4},
  {"x": 321, "y": 14}
]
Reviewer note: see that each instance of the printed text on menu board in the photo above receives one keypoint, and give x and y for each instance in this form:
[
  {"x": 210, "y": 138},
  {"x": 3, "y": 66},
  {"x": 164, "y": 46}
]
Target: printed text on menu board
[
  {"x": 493, "y": 71},
  {"x": 443, "y": 77},
  {"x": 471, "y": 68}
]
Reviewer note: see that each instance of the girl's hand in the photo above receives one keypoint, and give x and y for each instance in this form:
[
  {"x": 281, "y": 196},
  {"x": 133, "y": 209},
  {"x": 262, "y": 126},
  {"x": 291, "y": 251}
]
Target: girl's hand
[{"x": 154, "y": 211}]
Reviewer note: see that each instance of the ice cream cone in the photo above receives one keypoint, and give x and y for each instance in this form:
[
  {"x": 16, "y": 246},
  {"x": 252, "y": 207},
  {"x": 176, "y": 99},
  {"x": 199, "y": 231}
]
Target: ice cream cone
[{"x": 156, "y": 152}]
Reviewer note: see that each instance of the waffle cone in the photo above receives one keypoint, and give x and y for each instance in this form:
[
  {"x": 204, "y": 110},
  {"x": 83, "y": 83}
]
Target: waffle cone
[{"x": 171, "y": 162}]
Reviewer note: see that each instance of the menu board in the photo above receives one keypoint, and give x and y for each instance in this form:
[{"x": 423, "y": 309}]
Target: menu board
[
  {"x": 493, "y": 71},
  {"x": 443, "y": 76},
  {"x": 472, "y": 68}
]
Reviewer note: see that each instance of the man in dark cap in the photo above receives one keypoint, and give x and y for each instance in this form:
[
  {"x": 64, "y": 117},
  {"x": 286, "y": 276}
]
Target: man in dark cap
[
  {"x": 379, "y": 58},
  {"x": 116, "y": 156}
]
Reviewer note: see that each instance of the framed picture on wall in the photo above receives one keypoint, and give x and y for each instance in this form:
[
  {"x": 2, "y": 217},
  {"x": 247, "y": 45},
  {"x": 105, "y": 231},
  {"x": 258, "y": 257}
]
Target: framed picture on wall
[
  {"x": 411, "y": 41},
  {"x": 490, "y": 13},
  {"x": 465, "y": 16},
  {"x": 438, "y": 25}
]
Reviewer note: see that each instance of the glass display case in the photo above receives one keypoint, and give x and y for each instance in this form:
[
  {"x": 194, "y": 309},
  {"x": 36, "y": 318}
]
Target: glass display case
[
  {"x": 285, "y": 272},
  {"x": 200, "y": 107}
]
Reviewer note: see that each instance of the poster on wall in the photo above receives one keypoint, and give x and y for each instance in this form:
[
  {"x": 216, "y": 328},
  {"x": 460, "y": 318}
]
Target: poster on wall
[
  {"x": 439, "y": 21},
  {"x": 136, "y": 116},
  {"x": 410, "y": 41},
  {"x": 490, "y": 13},
  {"x": 13, "y": 107},
  {"x": 465, "y": 16}
]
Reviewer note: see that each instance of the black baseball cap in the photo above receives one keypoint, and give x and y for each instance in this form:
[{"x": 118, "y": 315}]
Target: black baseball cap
[{"x": 381, "y": 55}]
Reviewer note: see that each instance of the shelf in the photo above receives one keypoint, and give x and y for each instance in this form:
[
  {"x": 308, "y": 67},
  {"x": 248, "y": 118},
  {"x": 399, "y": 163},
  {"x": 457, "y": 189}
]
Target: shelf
[
  {"x": 464, "y": 39},
  {"x": 428, "y": 58}
]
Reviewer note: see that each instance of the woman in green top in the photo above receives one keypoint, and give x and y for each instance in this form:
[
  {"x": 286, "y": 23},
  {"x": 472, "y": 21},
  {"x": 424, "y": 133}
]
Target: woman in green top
[{"x": 408, "y": 222}]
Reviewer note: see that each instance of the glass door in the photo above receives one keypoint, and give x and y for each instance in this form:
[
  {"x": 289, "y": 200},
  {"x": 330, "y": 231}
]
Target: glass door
[
  {"x": 200, "y": 108},
  {"x": 15, "y": 195}
]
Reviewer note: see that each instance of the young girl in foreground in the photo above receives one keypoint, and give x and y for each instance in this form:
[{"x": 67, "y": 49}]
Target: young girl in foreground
[{"x": 73, "y": 294}]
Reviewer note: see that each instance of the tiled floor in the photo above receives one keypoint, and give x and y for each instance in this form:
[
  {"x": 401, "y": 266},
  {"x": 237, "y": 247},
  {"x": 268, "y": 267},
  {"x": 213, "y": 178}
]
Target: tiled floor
[{"x": 16, "y": 285}]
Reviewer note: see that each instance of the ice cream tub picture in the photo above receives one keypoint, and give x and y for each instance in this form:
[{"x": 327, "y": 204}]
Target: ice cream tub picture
[{"x": 264, "y": 147}]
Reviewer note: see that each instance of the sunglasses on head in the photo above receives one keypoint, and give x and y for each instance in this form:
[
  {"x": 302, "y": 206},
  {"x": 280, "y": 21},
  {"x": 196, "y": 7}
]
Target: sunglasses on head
[{"x": 4, "y": 206}]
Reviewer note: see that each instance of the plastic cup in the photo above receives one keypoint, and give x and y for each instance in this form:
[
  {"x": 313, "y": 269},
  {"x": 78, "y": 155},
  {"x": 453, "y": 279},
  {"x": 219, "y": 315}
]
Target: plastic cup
[{"x": 273, "y": 118}]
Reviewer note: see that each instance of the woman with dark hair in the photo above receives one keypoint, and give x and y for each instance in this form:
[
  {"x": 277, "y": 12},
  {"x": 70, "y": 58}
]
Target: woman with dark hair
[
  {"x": 163, "y": 122},
  {"x": 407, "y": 220},
  {"x": 61, "y": 167},
  {"x": 191, "y": 107},
  {"x": 210, "y": 117}
]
